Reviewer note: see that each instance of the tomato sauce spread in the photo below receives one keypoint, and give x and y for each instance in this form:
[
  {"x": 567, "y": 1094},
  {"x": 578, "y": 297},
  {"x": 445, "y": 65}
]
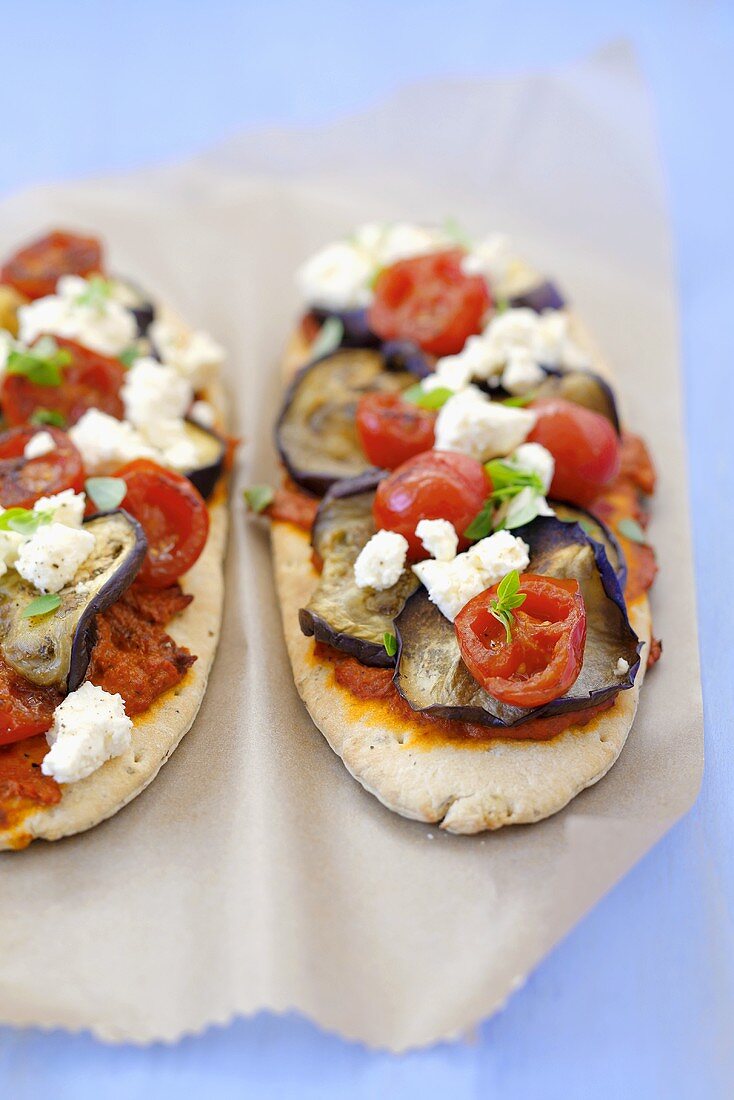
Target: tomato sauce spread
[
  {"x": 624, "y": 499},
  {"x": 291, "y": 505},
  {"x": 133, "y": 655},
  {"x": 376, "y": 684}
]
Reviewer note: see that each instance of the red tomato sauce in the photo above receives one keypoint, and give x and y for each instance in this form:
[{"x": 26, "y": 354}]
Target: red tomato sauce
[
  {"x": 292, "y": 505},
  {"x": 376, "y": 684},
  {"x": 133, "y": 656}
]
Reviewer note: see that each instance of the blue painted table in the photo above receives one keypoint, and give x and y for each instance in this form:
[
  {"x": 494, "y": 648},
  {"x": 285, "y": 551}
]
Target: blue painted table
[{"x": 639, "y": 997}]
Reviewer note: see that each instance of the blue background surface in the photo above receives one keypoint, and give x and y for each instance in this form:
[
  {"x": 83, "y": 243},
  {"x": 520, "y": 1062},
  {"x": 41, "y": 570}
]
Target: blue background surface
[{"x": 637, "y": 998}]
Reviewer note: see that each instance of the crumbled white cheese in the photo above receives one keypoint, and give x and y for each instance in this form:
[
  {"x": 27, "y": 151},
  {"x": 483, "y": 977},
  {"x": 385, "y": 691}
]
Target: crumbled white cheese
[
  {"x": 152, "y": 392},
  {"x": 10, "y": 544},
  {"x": 622, "y": 667},
  {"x": 40, "y": 444},
  {"x": 439, "y": 538},
  {"x": 174, "y": 444},
  {"x": 493, "y": 258},
  {"x": 106, "y": 443},
  {"x": 535, "y": 458},
  {"x": 103, "y": 325},
  {"x": 52, "y": 555},
  {"x": 341, "y": 275},
  {"x": 472, "y": 424},
  {"x": 203, "y": 413},
  {"x": 67, "y": 507},
  {"x": 522, "y": 373},
  {"x": 195, "y": 355},
  {"x": 381, "y": 561},
  {"x": 451, "y": 584},
  {"x": 89, "y": 727}
]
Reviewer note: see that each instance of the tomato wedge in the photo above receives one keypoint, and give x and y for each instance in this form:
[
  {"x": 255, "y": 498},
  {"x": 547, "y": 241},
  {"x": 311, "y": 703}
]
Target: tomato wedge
[
  {"x": 173, "y": 515},
  {"x": 429, "y": 300},
  {"x": 544, "y": 656},
  {"x": 432, "y": 485},
  {"x": 392, "y": 430},
  {"x": 24, "y": 480},
  {"x": 35, "y": 269},
  {"x": 90, "y": 381},
  {"x": 25, "y": 708}
]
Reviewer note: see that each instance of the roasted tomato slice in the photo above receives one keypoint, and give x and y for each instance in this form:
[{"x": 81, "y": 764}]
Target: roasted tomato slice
[
  {"x": 544, "y": 656},
  {"x": 25, "y": 708},
  {"x": 35, "y": 269},
  {"x": 433, "y": 485},
  {"x": 429, "y": 300},
  {"x": 90, "y": 381},
  {"x": 584, "y": 445},
  {"x": 173, "y": 515},
  {"x": 392, "y": 430},
  {"x": 24, "y": 480}
]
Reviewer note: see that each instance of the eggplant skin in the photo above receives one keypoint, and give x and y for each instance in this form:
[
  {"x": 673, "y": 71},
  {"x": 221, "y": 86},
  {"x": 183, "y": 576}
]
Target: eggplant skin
[
  {"x": 206, "y": 476},
  {"x": 316, "y": 432},
  {"x": 55, "y": 649},
  {"x": 355, "y": 325},
  {"x": 596, "y": 530},
  {"x": 433, "y": 679},
  {"x": 351, "y": 619},
  {"x": 545, "y": 295}
]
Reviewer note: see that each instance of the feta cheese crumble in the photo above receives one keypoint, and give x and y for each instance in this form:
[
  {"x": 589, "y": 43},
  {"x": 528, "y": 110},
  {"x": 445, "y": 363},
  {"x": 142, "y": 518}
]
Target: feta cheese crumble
[
  {"x": 89, "y": 727},
  {"x": 103, "y": 325},
  {"x": 52, "y": 555},
  {"x": 10, "y": 544},
  {"x": 152, "y": 392},
  {"x": 106, "y": 444},
  {"x": 195, "y": 355},
  {"x": 472, "y": 424},
  {"x": 203, "y": 414},
  {"x": 451, "y": 584},
  {"x": 381, "y": 561},
  {"x": 67, "y": 507},
  {"x": 622, "y": 667},
  {"x": 493, "y": 258},
  {"x": 40, "y": 444},
  {"x": 439, "y": 538}
]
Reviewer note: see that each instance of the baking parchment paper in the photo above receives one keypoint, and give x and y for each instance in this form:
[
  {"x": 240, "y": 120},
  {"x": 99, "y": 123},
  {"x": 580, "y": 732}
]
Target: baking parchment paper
[{"x": 255, "y": 873}]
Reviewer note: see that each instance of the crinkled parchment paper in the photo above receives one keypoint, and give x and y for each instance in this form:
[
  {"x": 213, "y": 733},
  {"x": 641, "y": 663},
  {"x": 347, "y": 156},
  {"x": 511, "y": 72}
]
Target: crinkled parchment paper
[{"x": 254, "y": 872}]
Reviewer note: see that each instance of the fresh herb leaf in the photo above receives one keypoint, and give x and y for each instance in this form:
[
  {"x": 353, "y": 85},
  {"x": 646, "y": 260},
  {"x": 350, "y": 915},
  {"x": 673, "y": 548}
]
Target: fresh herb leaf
[
  {"x": 42, "y": 605},
  {"x": 631, "y": 530},
  {"x": 97, "y": 294},
  {"x": 505, "y": 477},
  {"x": 501, "y": 305},
  {"x": 519, "y": 400},
  {"x": 106, "y": 493},
  {"x": 48, "y": 416},
  {"x": 128, "y": 356},
  {"x": 40, "y": 364},
  {"x": 258, "y": 497},
  {"x": 453, "y": 229},
  {"x": 24, "y": 521},
  {"x": 390, "y": 643},
  {"x": 329, "y": 338},
  {"x": 507, "y": 599},
  {"x": 374, "y": 277},
  {"x": 427, "y": 399},
  {"x": 481, "y": 525}
]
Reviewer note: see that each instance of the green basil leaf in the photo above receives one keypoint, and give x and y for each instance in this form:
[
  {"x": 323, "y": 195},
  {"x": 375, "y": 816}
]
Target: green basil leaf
[
  {"x": 519, "y": 399},
  {"x": 390, "y": 643},
  {"x": 128, "y": 356},
  {"x": 481, "y": 525},
  {"x": 329, "y": 338},
  {"x": 24, "y": 521},
  {"x": 631, "y": 530},
  {"x": 39, "y": 371},
  {"x": 106, "y": 493},
  {"x": 48, "y": 416},
  {"x": 42, "y": 605},
  {"x": 427, "y": 399},
  {"x": 97, "y": 294},
  {"x": 258, "y": 497}
]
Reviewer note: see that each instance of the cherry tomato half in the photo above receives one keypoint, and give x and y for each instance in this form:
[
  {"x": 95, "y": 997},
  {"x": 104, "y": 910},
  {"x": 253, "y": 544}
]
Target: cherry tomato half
[
  {"x": 433, "y": 485},
  {"x": 24, "y": 480},
  {"x": 392, "y": 430},
  {"x": 35, "y": 269},
  {"x": 546, "y": 652},
  {"x": 584, "y": 445},
  {"x": 173, "y": 515},
  {"x": 90, "y": 381},
  {"x": 429, "y": 300},
  {"x": 25, "y": 708}
]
